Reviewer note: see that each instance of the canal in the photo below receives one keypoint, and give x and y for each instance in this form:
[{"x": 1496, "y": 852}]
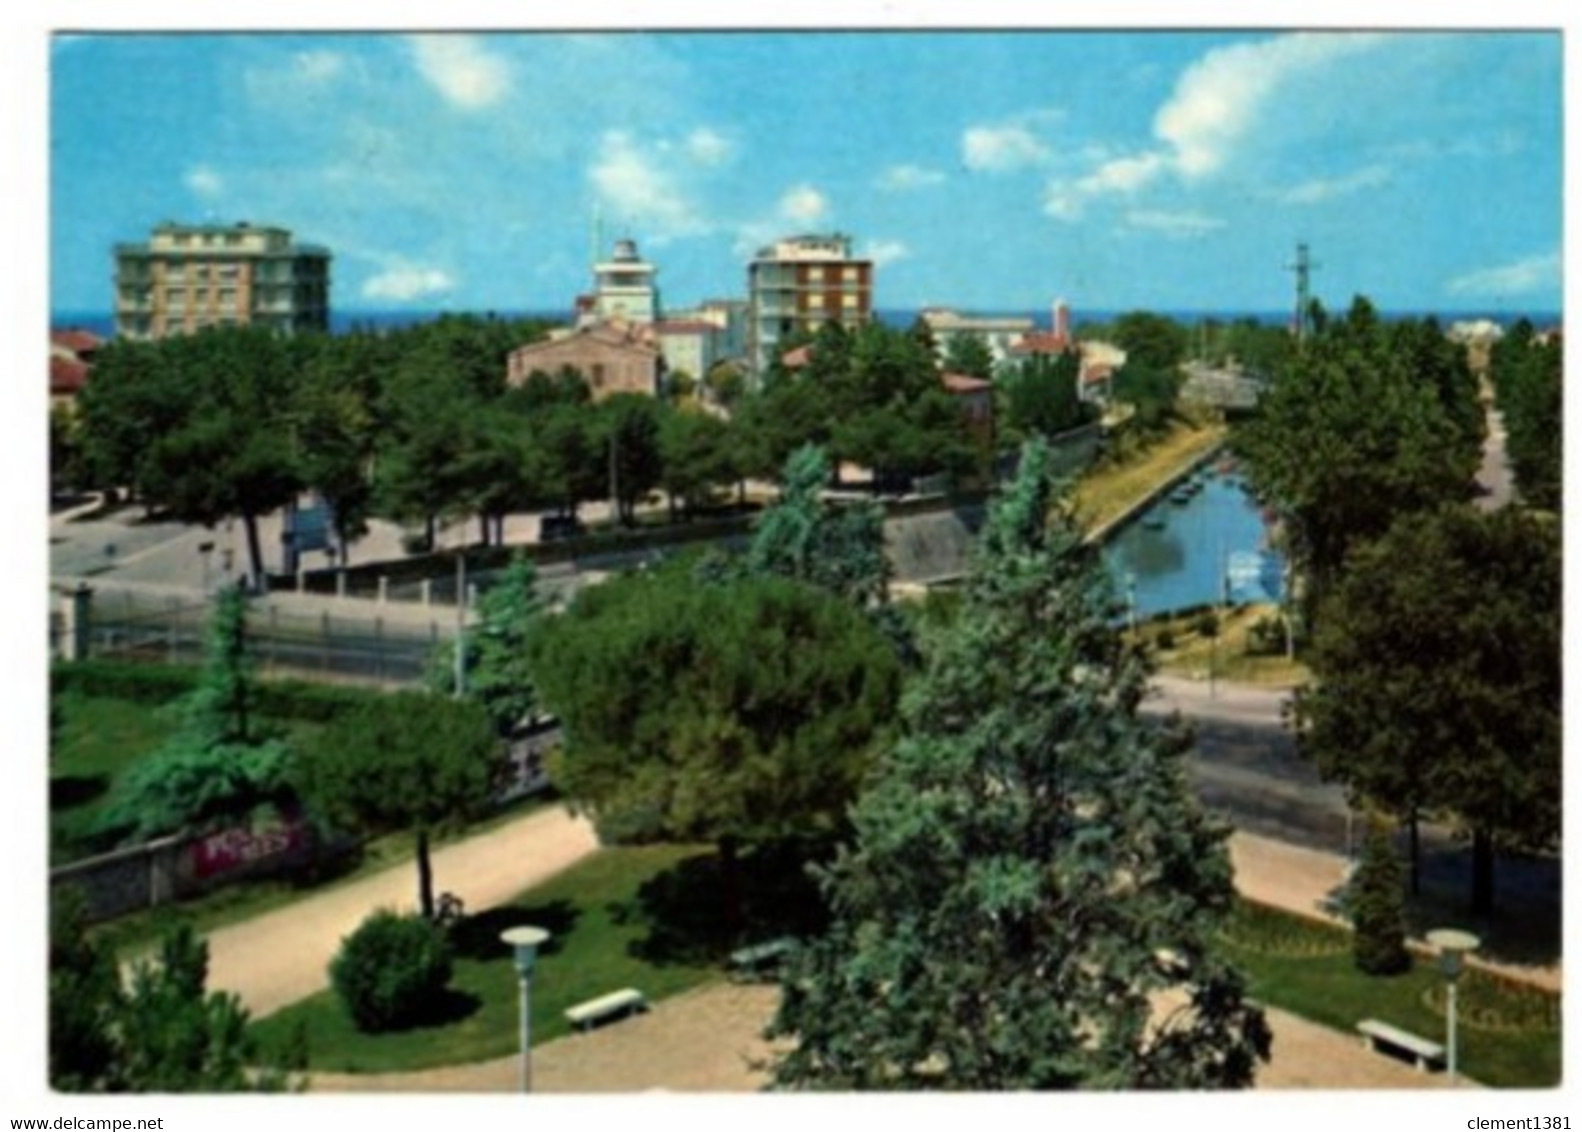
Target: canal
[{"x": 1206, "y": 540}]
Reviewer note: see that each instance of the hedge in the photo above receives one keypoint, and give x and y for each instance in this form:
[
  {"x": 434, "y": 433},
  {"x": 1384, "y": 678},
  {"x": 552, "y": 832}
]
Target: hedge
[{"x": 145, "y": 683}]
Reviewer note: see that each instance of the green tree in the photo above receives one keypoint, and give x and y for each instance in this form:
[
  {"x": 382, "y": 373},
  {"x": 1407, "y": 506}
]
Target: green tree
[
  {"x": 697, "y": 453},
  {"x": 839, "y": 548},
  {"x": 968, "y": 353},
  {"x": 160, "y": 1033},
  {"x": 1376, "y": 898},
  {"x": 631, "y": 424},
  {"x": 1026, "y": 856},
  {"x": 1528, "y": 379},
  {"x": 220, "y": 763},
  {"x": 1346, "y": 441},
  {"x": 232, "y": 451},
  {"x": 338, "y": 425},
  {"x": 405, "y": 761},
  {"x": 1151, "y": 341},
  {"x": 1041, "y": 395},
  {"x": 1436, "y": 664},
  {"x": 739, "y": 713},
  {"x": 495, "y": 657},
  {"x": 84, "y": 1000}
]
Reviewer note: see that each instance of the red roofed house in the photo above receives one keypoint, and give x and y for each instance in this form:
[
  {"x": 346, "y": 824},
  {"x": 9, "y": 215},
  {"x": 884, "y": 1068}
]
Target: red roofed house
[{"x": 70, "y": 359}]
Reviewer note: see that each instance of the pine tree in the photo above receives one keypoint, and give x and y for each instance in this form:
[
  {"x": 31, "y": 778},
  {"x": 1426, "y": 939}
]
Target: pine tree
[
  {"x": 220, "y": 763},
  {"x": 1377, "y": 900},
  {"x": 1031, "y": 895},
  {"x": 496, "y": 671}
]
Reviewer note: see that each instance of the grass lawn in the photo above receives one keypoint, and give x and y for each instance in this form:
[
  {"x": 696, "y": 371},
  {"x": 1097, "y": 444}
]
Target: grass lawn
[
  {"x": 1106, "y": 493},
  {"x": 1191, "y": 654},
  {"x": 604, "y": 936},
  {"x": 95, "y": 742},
  {"x": 1508, "y": 1036}
]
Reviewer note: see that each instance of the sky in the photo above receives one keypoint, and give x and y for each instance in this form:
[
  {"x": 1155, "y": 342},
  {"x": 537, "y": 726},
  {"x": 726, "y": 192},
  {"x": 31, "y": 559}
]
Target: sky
[{"x": 983, "y": 170}]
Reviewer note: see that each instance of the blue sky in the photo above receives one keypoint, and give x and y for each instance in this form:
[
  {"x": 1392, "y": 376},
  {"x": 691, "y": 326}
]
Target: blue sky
[{"x": 985, "y": 170}]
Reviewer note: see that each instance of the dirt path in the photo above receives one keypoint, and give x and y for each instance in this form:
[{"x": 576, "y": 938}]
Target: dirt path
[
  {"x": 281, "y": 956},
  {"x": 709, "y": 1041}
]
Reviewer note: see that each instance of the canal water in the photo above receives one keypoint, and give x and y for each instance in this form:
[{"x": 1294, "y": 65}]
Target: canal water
[{"x": 1204, "y": 541}]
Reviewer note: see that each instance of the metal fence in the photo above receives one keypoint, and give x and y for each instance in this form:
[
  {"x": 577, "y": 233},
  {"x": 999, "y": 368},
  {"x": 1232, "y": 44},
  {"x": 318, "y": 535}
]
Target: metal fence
[{"x": 363, "y": 648}]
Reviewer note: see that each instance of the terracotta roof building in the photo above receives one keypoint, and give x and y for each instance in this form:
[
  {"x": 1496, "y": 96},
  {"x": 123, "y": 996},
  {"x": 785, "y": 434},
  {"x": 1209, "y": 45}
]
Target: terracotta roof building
[{"x": 612, "y": 357}]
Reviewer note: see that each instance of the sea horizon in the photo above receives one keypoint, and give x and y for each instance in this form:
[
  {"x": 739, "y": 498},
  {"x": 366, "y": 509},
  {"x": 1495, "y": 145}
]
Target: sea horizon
[{"x": 102, "y": 323}]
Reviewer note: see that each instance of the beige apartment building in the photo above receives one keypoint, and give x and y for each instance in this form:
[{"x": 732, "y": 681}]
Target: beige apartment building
[
  {"x": 798, "y": 284},
  {"x": 187, "y": 277}
]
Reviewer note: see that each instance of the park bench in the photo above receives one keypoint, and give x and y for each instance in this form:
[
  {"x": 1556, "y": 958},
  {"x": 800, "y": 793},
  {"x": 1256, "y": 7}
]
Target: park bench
[
  {"x": 584, "y": 1015},
  {"x": 1376, "y": 1034},
  {"x": 748, "y": 962}
]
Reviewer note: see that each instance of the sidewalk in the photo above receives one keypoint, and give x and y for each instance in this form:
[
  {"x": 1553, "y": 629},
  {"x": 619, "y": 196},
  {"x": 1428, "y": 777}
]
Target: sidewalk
[{"x": 275, "y": 959}]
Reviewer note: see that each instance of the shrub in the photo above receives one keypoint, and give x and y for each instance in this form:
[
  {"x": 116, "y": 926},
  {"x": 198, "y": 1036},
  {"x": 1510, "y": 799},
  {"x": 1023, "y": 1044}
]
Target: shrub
[
  {"x": 1377, "y": 901},
  {"x": 1165, "y": 638},
  {"x": 392, "y": 971},
  {"x": 1206, "y": 624}
]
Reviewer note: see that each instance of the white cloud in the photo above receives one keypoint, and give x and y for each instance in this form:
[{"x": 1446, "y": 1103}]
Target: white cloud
[
  {"x": 404, "y": 282},
  {"x": 204, "y": 182},
  {"x": 906, "y": 178},
  {"x": 707, "y": 147},
  {"x": 1524, "y": 277},
  {"x": 461, "y": 69},
  {"x": 886, "y": 251},
  {"x": 1000, "y": 149},
  {"x": 1321, "y": 189},
  {"x": 1216, "y": 106},
  {"x": 803, "y": 204},
  {"x": 1218, "y": 99},
  {"x": 1176, "y": 225},
  {"x": 637, "y": 189},
  {"x": 1122, "y": 174}
]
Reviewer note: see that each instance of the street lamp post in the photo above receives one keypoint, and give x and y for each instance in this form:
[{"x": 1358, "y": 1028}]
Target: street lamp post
[
  {"x": 524, "y": 942},
  {"x": 1453, "y": 945}
]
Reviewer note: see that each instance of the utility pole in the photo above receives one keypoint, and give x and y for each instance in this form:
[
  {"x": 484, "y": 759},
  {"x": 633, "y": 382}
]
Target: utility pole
[
  {"x": 1303, "y": 267},
  {"x": 461, "y": 622}
]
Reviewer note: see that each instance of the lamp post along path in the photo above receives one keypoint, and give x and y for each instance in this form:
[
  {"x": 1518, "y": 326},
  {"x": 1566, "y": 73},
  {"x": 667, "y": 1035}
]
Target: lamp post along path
[
  {"x": 524, "y": 942},
  {"x": 1453, "y": 946}
]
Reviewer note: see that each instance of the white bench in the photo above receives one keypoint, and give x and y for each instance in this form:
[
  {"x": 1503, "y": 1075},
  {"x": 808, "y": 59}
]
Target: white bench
[
  {"x": 623, "y": 1002},
  {"x": 1375, "y": 1033}
]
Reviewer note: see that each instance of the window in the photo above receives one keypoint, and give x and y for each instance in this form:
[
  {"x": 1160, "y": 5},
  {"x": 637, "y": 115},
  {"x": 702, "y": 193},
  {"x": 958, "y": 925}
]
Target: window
[
  {"x": 598, "y": 375},
  {"x": 815, "y": 275},
  {"x": 851, "y": 274},
  {"x": 848, "y": 300}
]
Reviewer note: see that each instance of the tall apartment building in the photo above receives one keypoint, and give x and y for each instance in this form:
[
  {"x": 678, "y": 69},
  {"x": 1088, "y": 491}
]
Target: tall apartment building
[
  {"x": 188, "y": 277},
  {"x": 801, "y": 282}
]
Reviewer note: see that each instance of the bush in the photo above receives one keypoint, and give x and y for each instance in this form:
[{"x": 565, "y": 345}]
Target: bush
[
  {"x": 392, "y": 971},
  {"x": 1206, "y": 624},
  {"x": 1266, "y": 637},
  {"x": 1165, "y": 638}
]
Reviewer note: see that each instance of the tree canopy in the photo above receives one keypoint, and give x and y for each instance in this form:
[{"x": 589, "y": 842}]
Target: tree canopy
[
  {"x": 1436, "y": 664},
  {"x": 496, "y": 671},
  {"x": 1353, "y": 435},
  {"x": 404, "y": 761},
  {"x": 1027, "y": 854},
  {"x": 742, "y": 711},
  {"x": 160, "y": 1032},
  {"x": 220, "y": 763}
]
